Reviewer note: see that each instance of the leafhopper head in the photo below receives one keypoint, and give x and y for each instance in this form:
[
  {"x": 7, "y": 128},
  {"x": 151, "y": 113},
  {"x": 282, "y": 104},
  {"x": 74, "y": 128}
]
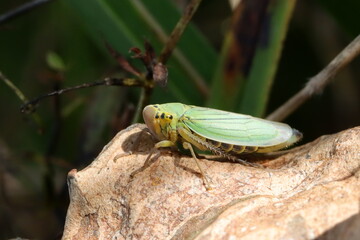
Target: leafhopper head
[
  {"x": 161, "y": 122},
  {"x": 149, "y": 118}
]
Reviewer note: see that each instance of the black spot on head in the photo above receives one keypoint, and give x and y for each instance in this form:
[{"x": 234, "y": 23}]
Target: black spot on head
[
  {"x": 171, "y": 117},
  {"x": 156, "y": 106},
  {"x": 162, "y": 116},
  {"x": 156, "y": 116}
]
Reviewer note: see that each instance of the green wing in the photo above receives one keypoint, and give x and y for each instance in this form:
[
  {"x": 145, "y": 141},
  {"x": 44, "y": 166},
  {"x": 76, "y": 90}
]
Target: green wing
[{"x": 236, "y": 129}]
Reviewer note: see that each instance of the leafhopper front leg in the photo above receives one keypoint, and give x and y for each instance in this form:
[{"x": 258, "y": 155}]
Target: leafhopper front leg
[
  {"x": 164, "y": 143},
  {"x": 147, "y": 163},
  {"x": 188, "y": 146}
]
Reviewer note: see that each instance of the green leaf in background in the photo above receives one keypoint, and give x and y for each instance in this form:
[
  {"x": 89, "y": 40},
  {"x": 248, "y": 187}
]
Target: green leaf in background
[
  {"x": 227, "y": 81},
  {"x": 238, "y": 49},
  {"x": 55, "y": 62},
  {"x": 250, "y": 55},
  {"x": 265, "y": 63}
]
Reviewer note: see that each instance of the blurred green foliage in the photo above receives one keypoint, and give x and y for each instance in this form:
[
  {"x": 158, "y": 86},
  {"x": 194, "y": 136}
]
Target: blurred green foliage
[{"x": 74, "y": 127}]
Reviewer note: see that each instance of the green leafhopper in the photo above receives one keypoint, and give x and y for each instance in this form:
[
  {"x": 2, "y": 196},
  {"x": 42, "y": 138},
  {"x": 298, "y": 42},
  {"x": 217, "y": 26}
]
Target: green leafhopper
[{"x": 223, "y": 133}]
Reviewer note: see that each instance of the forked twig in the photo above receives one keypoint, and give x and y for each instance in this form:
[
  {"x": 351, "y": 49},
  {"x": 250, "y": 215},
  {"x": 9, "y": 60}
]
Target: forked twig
[{"x": 170, "y": 42}]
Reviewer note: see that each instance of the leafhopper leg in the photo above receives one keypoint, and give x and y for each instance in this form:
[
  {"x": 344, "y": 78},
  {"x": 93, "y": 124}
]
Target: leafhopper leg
[
  {"x": 187, "y": 145},
  {"x": 246, "y": 163},
  {"x": 120, "y": 155},
  {"x": 148, "y": 161},
  {"x": 164, "y": 143},
  {"x": 145, "y": 165}
]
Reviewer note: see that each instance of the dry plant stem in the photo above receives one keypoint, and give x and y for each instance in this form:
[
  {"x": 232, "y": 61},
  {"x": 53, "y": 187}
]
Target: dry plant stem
[
  {"x": 178, "y": 30},
  {"x": 129, "y": 82},
  {"x": 318, "y": 82},
  {"x": 21, "y": 10},
  {"x": 122, "y": 61}
]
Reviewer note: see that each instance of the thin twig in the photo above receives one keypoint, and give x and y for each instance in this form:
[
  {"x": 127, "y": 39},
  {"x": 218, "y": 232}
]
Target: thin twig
[
  {"x": 124, "y": 64},
  {"x": 178, "y": 30},
  {"x": 317, "y": 83},
  {"x": 21, "y": 10},
  {"x": 129, "y": 82}
]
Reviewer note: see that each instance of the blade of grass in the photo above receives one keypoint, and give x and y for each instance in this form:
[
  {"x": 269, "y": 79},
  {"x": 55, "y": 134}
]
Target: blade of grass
[
  {"x": 21, "y": 96},
  {"x": 237, "y": 53},
  {"x": 259, "y": 82}
]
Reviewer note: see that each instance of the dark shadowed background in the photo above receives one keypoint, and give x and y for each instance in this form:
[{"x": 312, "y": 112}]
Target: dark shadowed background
[{"x": 69, "y": 131}]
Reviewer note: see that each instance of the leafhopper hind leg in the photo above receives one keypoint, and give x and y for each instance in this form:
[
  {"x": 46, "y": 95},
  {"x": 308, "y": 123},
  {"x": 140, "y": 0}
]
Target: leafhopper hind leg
[
  {"x": 188, "y": 146},
  {"x": 167, "y": 143}
]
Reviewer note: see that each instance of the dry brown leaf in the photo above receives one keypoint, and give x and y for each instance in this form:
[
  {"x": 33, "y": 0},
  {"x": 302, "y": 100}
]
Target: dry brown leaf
[{"x": 312, "y": 191}]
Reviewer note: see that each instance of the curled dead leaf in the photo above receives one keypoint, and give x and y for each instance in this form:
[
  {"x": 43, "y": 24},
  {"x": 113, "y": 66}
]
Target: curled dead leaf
[{"x": 309, "y": 192}]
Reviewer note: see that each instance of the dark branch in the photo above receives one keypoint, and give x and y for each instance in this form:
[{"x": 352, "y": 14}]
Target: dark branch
[{"x": 21, "y": 10}]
